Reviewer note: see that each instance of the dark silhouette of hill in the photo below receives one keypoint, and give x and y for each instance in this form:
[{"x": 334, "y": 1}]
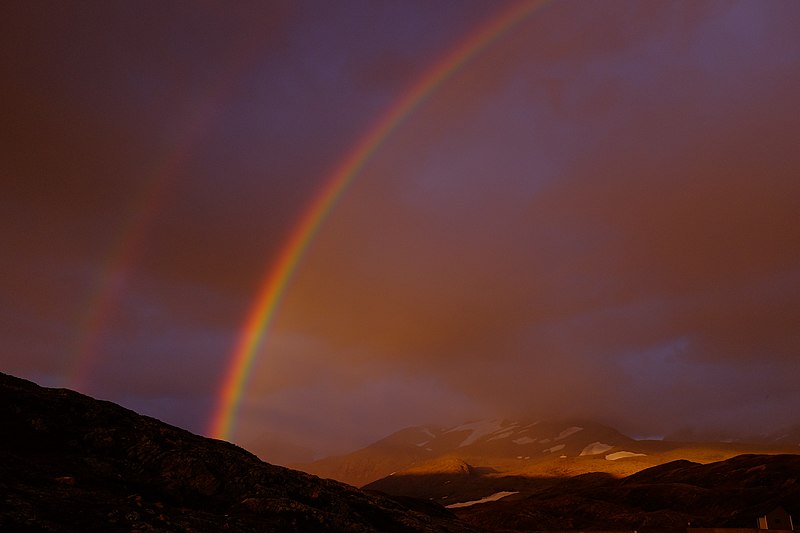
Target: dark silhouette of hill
[
  {"x": 72, "y": 463},
  {"x": 729, "y": 493}
]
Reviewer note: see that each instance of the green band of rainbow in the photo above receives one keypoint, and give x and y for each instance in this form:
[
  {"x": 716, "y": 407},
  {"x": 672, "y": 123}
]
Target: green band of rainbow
[{"x": 269, "y": 296}]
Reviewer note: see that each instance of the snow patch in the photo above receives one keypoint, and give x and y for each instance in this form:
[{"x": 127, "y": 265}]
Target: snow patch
[
  {"x": 622, "y": 455},
  {"x": 569, "y": 431},
  {"x": 492, "y": 498},
  {"x": 555, "y": 448},
  {"x": 502, "y": 435},
  {"x": 596, "y": 448},
  {"x": 421, "y": 444},
  {"x": 478, "y": 429},
  {"x": 524, "y": 440}
]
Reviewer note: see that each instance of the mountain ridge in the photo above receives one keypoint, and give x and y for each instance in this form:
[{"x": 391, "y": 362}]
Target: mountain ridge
[
  {"x": 726, "y": 494},
  {"x": 539, "y": 448}
]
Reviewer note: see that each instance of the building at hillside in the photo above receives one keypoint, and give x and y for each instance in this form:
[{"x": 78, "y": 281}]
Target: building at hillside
[{"x": 777, "y": 519}]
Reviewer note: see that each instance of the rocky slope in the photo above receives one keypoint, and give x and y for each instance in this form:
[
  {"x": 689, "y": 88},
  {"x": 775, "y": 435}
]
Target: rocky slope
[{"x": 72, "y": 463}]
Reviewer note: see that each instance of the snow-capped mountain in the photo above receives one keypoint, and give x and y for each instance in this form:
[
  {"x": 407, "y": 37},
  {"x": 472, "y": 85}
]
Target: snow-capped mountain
[
  {"x": 498, "y": 444},
  {"x": 504, "y": 448},
  {"x": 500, "y": 441}
]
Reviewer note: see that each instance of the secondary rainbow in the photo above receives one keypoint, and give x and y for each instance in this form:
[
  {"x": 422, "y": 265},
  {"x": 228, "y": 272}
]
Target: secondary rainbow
[
  {"x": 273, "y": 288},
  {"x": 142, "y": 215}
]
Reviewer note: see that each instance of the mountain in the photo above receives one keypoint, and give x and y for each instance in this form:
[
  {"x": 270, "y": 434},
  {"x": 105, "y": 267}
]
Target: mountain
[
  {"x": 504, "y": 448},
  {"x": 731, "y": 493},
  {"x": 72, "y": 463},
  {"x": 512, "y": 476},
  {"x": 494, "y": 443}
]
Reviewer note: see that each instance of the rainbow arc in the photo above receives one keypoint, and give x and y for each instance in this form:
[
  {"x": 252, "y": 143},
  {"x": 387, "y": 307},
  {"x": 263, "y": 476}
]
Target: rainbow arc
[{"x": 273, "y": 288}]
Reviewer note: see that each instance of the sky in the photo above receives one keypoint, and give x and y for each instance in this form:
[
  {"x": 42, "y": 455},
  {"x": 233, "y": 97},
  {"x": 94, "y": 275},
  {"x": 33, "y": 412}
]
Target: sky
[{"x": 596, "y": 216}]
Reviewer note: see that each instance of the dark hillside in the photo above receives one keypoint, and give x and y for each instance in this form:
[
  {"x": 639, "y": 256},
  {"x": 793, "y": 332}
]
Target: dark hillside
[{"x": 72, "y": 463}]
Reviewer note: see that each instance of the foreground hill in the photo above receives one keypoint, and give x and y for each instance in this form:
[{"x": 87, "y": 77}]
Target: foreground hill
[
  {"x": 513, "y": 448},
  {"x": 72, "y": 463},
  {"x": 731, "y": 493}
]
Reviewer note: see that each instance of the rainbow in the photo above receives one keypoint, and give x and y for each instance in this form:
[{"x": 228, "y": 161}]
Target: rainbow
[
  {"x": 115, "y": 273},
  {"x": 142, "y": 215},
  {"x": 272, "y": 289}
]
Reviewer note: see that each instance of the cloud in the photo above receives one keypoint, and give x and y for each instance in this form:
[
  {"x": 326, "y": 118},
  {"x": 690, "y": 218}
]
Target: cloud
[
  {"x": 667, "y": 223},
  {"x": 598, "y": 211},
  {"x": 312, "y": 393}
]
